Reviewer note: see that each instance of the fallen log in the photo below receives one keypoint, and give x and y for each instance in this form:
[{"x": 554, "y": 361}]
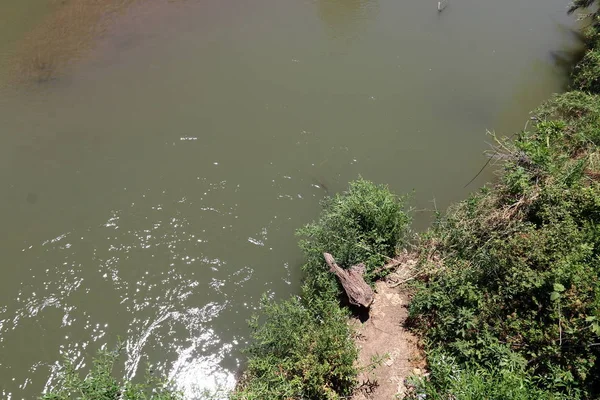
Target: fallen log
[{"x": 352, "y": 279}]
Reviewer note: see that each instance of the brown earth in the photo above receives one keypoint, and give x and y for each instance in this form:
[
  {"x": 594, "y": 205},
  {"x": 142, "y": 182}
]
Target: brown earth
[{"x": 388, "y": 353}]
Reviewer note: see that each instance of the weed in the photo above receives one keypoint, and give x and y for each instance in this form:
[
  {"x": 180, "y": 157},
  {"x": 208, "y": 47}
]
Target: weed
[{"x": 101, "y": 384}]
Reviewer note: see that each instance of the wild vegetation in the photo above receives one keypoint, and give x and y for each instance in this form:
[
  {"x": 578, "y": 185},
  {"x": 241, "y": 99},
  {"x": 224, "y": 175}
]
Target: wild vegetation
[
  {"x": 100, "y": 383},
  {"x": 510, "y": 306}
]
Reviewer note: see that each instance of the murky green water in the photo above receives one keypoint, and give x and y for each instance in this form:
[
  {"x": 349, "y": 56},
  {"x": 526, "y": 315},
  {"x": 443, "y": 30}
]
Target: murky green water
[{"x": 151, "y": 190}]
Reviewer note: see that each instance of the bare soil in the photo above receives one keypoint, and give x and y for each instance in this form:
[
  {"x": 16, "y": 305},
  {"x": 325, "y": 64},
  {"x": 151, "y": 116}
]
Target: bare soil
[{"x": 389, "y": 353}]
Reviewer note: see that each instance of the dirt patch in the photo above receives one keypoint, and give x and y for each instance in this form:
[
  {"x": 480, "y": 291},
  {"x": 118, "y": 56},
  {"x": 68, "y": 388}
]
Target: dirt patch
[{"x": 388, "y": 353}]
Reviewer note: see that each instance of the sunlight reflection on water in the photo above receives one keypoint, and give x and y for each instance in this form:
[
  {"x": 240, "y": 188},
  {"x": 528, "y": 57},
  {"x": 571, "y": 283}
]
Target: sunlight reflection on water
[{"x": 146, "y": 270}]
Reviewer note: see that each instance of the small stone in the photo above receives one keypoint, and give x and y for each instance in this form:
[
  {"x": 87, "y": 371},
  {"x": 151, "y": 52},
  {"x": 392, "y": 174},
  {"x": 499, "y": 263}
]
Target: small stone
[
  {"x": 389, "y": 362},
  {"x": 417, "y": 371}
]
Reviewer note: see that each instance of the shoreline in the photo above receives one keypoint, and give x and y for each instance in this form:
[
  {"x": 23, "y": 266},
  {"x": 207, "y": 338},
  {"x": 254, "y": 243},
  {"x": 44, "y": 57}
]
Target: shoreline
[{"x": 484, "y": 295}]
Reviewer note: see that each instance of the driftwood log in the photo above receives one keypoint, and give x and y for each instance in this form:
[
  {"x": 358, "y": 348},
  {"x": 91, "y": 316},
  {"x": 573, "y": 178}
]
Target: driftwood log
[{"x": 353, "y": 281}]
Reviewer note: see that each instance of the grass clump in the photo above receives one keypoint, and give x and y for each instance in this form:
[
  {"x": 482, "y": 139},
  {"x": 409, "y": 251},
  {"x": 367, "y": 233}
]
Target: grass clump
[
  {"x": 586, "y": 76},
  {"x": 101, "y": 384},
  {"x": 302, "y": 347},
  {"x": 300, "y": 353},
  {"x": 456, "y": 381}
]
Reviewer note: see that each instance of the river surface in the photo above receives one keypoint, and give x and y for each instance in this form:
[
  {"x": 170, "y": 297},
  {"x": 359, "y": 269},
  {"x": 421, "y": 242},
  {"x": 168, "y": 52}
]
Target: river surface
[{"x": 154, "y": 168}]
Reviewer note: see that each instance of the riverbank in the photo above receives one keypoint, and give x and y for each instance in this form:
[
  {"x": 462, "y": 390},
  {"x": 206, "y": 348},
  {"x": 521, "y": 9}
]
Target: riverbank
[{"x": 509, "y": 308}]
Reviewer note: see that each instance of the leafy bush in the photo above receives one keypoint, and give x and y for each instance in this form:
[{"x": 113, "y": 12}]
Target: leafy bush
[
  {"x": 302, "y": 347},
  {"x": 365, "y": 224},
  {"x": 521, "y": 262},
  {"x": 586, "y": 74},
  {"x": 299, "y": 353},
  {"x": 100, "y": 384},
  {"x": 454, "y": 381},
  {"x": 581, "y": 112},
  {"x": 587, "y": 77}
]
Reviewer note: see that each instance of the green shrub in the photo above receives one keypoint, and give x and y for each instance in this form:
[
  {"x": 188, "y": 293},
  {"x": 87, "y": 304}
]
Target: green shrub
[
  {"x": 587, "y": 72},
  {"x": 581, "y": 114},
  {"x": 365, "y": 224},
  {"x": 101, "y": 384},
  {"x": 300, "y": 353},
  {"x": 521, "y": 263},
  {"x": 452, "y": 380}
]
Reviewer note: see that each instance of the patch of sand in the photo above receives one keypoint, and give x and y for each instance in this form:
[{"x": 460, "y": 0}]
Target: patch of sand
[{"x": 384, "y": 337}]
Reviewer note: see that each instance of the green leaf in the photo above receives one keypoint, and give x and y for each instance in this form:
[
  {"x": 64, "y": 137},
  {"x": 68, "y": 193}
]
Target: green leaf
[
  {"x": 590, "y": 319},
  {"x": 554, "y": 296},
  {"x": 558, "y": 287}
]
